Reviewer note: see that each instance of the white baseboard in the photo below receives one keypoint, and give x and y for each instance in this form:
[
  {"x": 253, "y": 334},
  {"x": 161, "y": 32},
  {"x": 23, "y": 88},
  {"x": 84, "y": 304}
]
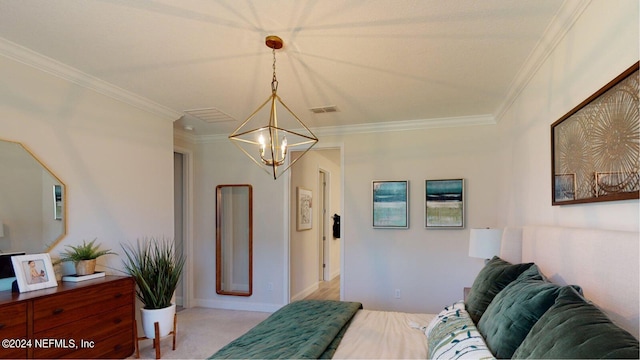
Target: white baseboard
[
  {"x": 335, "y": 274},
  {"x": 306, "y": 292},
  {"x": 236, "y": 305}
]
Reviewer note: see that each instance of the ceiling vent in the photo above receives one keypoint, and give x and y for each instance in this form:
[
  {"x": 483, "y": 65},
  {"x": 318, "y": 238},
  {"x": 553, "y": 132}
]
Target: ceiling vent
[
  {"x": 324, "y": 109},
  {"x": 209, "y": 115}
]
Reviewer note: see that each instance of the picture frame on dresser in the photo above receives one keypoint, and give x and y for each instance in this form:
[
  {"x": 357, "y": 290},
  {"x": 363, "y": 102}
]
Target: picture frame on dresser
[{"x": 34, "y": 272}]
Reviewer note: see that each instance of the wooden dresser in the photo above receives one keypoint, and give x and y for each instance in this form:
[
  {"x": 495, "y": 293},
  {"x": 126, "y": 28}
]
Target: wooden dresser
[{"x": 88, "y": 319}]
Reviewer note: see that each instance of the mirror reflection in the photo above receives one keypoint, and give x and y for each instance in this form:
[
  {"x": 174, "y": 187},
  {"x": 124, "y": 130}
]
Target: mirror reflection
[
  {"x": 32, "y": 202},
  {"x": 234, "y": 236}
]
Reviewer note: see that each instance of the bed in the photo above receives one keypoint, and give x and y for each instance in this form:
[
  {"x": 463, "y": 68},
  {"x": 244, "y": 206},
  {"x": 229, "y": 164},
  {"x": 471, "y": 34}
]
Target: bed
[{"x": 553, "y": 292}]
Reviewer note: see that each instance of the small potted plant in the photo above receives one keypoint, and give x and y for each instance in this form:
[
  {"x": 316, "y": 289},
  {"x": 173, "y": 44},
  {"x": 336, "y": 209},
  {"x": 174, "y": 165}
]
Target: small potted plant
[
  {"x": 84, "y": 256},
  {"x": 156, "y": 268}
]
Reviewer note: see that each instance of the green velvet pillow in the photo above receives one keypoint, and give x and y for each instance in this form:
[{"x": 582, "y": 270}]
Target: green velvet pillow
[
  {"x": 574, "y": 328},
  {"x": 490, "y": 281},
  {"x": 513, "y": 312}
]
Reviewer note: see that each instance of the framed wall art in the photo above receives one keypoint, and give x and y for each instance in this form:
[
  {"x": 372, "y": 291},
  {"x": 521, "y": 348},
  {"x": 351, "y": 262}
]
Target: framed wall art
[
  {"x": 304, "y": 213},
  {"x": 444, "y": 204},
  {"x": 390, "y": 204},
  {"x": 34, "y": 272},
  {"x": 595, "y": 146}
]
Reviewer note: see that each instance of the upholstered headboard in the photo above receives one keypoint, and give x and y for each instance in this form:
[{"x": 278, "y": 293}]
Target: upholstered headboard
[{"x": 605, "y": 263}]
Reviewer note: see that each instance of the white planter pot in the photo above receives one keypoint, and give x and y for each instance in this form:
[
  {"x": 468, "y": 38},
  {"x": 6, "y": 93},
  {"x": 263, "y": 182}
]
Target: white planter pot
[{"x": 162, "y": 316}]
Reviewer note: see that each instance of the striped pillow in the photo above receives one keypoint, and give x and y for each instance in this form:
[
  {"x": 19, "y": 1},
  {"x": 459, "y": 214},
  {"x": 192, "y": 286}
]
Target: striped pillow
[{"x": 452, "y": 335}]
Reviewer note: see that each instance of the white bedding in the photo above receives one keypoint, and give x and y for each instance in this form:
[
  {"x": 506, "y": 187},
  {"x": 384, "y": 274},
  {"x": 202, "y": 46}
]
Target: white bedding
[{"x": 385, "y": 335}]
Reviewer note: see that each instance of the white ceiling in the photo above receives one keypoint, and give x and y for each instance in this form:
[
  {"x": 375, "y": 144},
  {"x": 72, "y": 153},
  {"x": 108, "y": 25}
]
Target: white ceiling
[{"x": 376, "y": 61}]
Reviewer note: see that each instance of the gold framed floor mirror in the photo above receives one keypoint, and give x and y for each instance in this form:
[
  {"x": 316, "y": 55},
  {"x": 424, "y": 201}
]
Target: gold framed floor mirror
[{"x": 234, "y": 239}]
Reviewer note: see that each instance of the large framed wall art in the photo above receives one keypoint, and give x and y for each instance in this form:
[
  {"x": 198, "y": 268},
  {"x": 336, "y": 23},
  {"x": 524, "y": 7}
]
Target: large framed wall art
[
  {"x": 595, "y": 146},
  {"x": 444, "y": 204},
  {"x": 390, "y": 204}
]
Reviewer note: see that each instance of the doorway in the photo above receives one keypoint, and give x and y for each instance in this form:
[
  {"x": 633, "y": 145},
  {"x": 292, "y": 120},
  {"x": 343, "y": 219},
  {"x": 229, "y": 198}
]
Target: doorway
[
  {"x": 182, "y": 221},
  {"x": 315, "y": 256}
]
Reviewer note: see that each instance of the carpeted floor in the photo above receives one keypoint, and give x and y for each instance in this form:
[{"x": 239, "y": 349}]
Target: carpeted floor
[{"x": 202, "y": 332}]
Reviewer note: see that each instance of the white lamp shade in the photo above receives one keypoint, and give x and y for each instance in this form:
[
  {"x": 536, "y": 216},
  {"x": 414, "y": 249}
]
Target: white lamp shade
[{"x": 484, "y": 243}]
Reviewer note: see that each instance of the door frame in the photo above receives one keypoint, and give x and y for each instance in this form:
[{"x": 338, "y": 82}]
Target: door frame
[
  {"x": 323, "y": 234},
  {"x": 287, "y": 221},
  {"x": 187, "y": 228}
]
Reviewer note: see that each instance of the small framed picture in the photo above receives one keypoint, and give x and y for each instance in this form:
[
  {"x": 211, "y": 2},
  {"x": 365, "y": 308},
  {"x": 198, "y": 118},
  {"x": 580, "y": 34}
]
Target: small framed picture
[
  {"x": 390, "y": 207},
  {"x": 304, "y": 213},
  {"x": 565, "y": 187},
  {"x": 444, "y": 204},
  {"x": 34, "y": 272}
]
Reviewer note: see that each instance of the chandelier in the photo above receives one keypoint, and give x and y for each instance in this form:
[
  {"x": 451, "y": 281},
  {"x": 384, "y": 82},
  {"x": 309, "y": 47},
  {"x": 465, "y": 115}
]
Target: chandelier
[{"x": 278, "y": 144}]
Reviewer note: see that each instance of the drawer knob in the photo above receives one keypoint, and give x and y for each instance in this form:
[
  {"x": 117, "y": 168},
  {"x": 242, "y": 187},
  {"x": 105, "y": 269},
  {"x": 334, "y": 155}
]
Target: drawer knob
[
  {"x": 1, "y": 325},
  {"x": 118, "y": 295},
  {"x": 58, "y": 311},
  {"x": 117, "y": 321}
]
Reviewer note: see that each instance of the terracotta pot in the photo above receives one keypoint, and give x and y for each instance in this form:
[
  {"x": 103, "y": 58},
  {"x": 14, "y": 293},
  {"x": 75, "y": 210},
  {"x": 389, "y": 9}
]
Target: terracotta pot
[
  {"x": 163, "y": 316},
  {"x": 86, "y": 267}
]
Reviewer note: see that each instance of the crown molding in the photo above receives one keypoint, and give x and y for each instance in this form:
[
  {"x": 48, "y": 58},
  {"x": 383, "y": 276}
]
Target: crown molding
[
  {"x": 184, "y": 136},
  {"x": 406, "y": 125},
  {"x": 48, "y": 65},
  {"x": 389, "y": 126},
  {"x": 563, "y": 21}
]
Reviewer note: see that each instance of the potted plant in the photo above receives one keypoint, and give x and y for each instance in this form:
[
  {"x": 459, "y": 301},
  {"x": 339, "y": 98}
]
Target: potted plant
[
  {"x": 84, "y": 256},
  {"x": 156, "y": 269}
]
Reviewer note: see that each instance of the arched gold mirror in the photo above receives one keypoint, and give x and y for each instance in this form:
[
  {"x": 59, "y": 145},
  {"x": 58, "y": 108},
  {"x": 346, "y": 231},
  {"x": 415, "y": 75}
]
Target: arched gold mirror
[
  {"x": 32, "y": 202},
  {"x": 234, "y": 240}
]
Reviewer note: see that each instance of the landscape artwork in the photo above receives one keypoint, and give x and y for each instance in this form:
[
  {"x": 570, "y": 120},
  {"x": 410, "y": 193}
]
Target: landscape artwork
[
  {"x": 390, "y": 204},
  {"x": 444, "y": 204}
]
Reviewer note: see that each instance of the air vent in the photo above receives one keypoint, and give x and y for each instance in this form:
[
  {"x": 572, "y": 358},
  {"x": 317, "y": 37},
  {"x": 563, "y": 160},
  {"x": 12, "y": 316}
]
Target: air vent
[
  {"x": 209, "y": 115},
  {"x": 324, "y": 109}
]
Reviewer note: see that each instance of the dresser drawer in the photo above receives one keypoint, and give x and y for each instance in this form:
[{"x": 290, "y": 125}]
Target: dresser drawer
[
  {"x": 118, "y": 345},
  {"x": 62, "y": 309},
  {"x": 94, "y": 328},
  {"x": 13, "y": 325},
  {"x": 13, "y": 321}
]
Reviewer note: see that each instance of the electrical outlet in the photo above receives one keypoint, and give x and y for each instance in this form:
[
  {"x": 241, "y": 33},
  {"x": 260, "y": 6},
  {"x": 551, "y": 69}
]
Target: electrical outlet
[
  {"x": 270, "y": 286},
  {"x": 397, "y": 295}
]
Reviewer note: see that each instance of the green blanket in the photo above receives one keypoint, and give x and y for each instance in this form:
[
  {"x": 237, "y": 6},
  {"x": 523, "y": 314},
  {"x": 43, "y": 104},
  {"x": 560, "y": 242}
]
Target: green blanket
[{"x": 306, "y": 329}]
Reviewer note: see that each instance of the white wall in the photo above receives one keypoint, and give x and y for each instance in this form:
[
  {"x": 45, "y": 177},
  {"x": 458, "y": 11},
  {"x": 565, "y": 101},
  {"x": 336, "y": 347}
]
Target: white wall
[
  {"x": 601, "y": 45},
  {"x": 115, "y": 159},
  {"x": 219, "y": 162},
  {"x": 429, "y": 267}
]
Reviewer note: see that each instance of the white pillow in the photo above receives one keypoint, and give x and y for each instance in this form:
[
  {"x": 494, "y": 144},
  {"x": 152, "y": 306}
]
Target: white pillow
[
  {"x": 452, "y": 335},
  {"x": 444, "y": 314}
]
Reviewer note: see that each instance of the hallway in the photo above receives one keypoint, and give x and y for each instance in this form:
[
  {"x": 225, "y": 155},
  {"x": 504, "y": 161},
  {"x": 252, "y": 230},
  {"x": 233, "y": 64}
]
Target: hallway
[{"x": 328, "y": 290}]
